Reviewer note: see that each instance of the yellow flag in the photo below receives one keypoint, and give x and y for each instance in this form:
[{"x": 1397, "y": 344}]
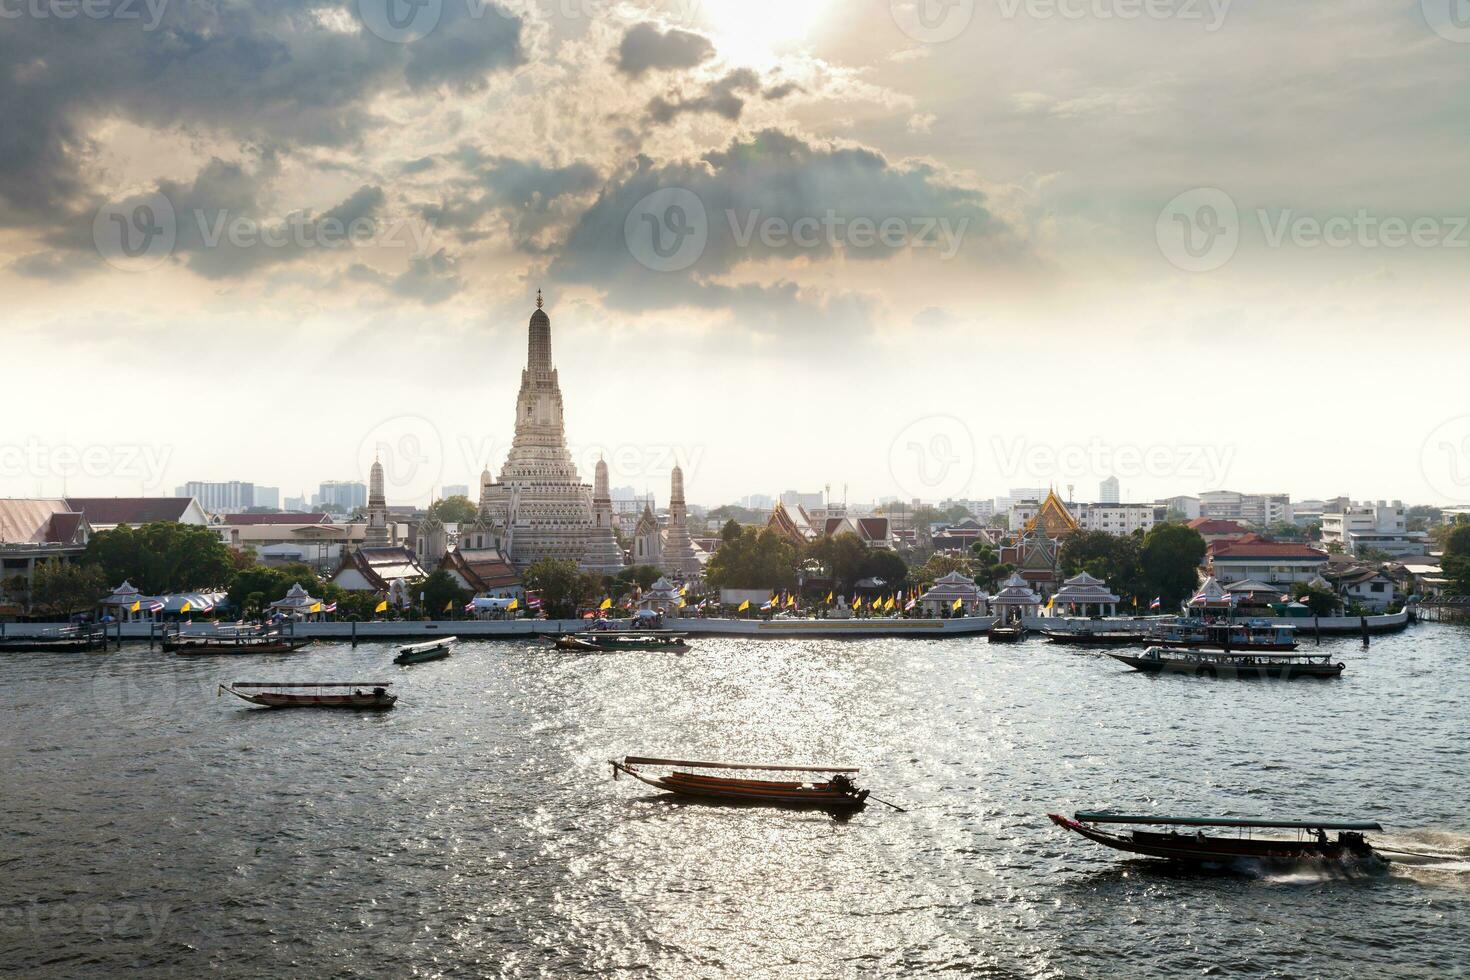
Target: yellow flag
[
  {"x": 316, "y": 607},
  {"x": 136, "y": 606},
  {"x": 606, "y": 605},
  {"x": 1050, "y": 601},
  {"x": 790, "y": 600},
  {"x": 958, "y": 605},
  {"x": 449, "y": 606},
  {"x": 381, "y": 607},
  {"x": 185, "y": 607},
  {"x": 682, "y": 603},
  {"x": 889, "y": 604},
  {"x": 514, "y": 605},
  {"x": 829, "y": 598},
  {"x": 744, "y": 606},
  {"x": 857, "y": 602}
]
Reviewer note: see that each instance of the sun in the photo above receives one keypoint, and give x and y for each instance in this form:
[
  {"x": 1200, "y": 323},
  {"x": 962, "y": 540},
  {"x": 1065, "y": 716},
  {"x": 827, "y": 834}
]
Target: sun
[{"x": 757, "y": 32}]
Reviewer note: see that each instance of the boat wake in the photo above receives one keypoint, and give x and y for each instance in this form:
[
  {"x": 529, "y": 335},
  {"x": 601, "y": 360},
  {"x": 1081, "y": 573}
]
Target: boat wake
[{"x": 1429, "y": 855}]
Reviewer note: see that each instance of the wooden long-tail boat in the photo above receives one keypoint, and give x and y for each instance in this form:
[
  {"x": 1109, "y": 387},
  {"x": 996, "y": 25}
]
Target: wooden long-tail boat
[
  {"x": 604, "y": 641},
  {"x": 240, "y": 641},
  {"x": 1311, "y": 840},
  {"x": 1247, "y": 666},
  {"x": 834, "y": 792},
  {"x": 360, "y": 695},
  {"x": 420, "y": 653},
  {"x": 1099, "y": 638},
  {"x": 1006, "y": 634}
]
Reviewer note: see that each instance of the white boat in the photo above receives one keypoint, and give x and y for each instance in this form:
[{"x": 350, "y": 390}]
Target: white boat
[{"x": 417, "y": 653}]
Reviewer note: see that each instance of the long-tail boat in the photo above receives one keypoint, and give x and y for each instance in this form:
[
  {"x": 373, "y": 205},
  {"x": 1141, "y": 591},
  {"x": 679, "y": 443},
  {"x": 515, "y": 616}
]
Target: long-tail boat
[
  {"x": 605, "y": 641},
  {"x": 1194, "y": 846},
  {"x": 834, "y": 792},
  {"x": 1248, "y": 666},
  {"x": 1249, "y": 635},
  {"x": 360, "y": 695},
  {"x": 1006, "y": 634},
  {"x": 420, "y": 653},
  {"x": 239, "y": 640}
]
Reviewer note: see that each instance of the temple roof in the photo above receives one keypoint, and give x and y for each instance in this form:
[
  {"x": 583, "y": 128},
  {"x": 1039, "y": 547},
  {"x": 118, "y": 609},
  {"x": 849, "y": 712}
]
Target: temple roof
[{"x": 1053, "y": 517}]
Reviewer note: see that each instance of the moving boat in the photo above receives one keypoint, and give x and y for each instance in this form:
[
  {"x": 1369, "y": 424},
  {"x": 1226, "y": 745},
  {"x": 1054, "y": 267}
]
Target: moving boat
[
  {"x": 603, "y": 641},
  {"x": 283, "y": 695},
  {"x": 419, "y": 653},
  {"x": 835, "y": 792},
  {"x": 1211, "y": 663},
  {"x": 238, "y": 640},
  {"x": 1196, "y": 847},
  {"x": 1254, "y": 634}
]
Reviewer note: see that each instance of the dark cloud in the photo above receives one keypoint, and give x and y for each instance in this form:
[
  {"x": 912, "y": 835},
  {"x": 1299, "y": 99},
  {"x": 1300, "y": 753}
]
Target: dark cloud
[
  {"x": 770, "y": 177},
  {"x": 430, "y": 279},
  {"x": 645, "y": 48},
  {"x": 722, "y": 97},
  {"x": 523, "y": 192},
  {"x": 266, "y": 71}
]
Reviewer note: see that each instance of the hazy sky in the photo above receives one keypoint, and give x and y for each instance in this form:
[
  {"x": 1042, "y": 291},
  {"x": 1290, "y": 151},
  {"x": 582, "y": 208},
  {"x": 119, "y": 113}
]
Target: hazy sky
[{"x": 918, "y": 248}]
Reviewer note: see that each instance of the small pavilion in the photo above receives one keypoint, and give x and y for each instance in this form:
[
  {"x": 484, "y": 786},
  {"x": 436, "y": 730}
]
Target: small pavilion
[
  {"x": 122, "y": 600},
  {"x": 1015, "y": 599},
  {"x": 298, "y": 604},
  {"x": 1211, "y": 599},
  {"x": 956, "y": 586},
  {"x": 1085, "y": 595},
  {"x": 661, "y": 597}
]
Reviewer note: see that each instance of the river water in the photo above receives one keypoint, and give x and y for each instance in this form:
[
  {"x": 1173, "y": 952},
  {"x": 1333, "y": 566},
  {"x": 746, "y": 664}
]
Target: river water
[{"x": 150, "y": 826}]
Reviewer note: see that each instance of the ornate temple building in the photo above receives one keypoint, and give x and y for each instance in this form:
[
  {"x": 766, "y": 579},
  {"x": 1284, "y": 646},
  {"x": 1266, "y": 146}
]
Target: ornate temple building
[
  {"x": 603, "y": 553},
  {"x": 679, "y": 558},
  {"x": 1052, "y": 517},
  {"x": 540, "y": 508},
  {"x": 378, "y": 535}
]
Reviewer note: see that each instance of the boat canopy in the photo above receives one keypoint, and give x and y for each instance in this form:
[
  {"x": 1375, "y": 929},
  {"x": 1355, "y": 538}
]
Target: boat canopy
[
  {"x": 313, "y": 684},
  {"x": 1084, "y": 817},
  {"x": 633, "y": 760}
]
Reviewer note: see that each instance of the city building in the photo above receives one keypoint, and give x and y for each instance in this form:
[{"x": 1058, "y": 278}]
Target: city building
[
  {"x": 1280, "y": 563},
  {"x": 268, "y": 497},
  {"x": 344, "y": 496},
  {"x": 1116, "y": 519},
  {"x": 457, "y": 490},
  {"x": 1109, "y": 491},
  {"x": 1215, "y": 529},
  {"x": 1188, "y": 506},
  {"x": 806, "y": 501},
  {"x": 218, "y": 498},
  {"x": 1373, "y": 527},
  {"x": 280, "y": 539},
  {"x": 1259, "y": 509}
]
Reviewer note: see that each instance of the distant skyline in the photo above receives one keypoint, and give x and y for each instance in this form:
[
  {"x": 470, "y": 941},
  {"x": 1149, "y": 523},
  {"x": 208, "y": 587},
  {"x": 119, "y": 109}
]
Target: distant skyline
[{"x": 920, "y": 252}]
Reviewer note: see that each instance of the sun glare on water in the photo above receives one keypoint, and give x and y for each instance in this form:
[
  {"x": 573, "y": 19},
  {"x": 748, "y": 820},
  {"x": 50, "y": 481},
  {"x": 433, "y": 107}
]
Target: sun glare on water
[{"x": 756, "y": 32}]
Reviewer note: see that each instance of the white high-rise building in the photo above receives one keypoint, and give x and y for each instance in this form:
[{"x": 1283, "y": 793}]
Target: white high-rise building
[{"x": 1109, "y": 491}]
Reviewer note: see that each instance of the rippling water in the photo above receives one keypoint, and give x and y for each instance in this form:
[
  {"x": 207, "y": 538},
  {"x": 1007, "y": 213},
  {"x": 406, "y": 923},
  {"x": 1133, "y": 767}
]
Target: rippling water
[{"x": 151, "y": 826}]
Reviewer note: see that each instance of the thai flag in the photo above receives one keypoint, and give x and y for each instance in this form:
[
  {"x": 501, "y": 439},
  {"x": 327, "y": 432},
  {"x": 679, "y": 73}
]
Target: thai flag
[
  {"x": 909, "y": 606},
  {"x": 469, "y": 606},
  {"x": 155, "y": 606},
  {"x": 329, "y": 607},
  {"x": 1158, "y": 603},
  {"x": 533, "y": 601}
]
